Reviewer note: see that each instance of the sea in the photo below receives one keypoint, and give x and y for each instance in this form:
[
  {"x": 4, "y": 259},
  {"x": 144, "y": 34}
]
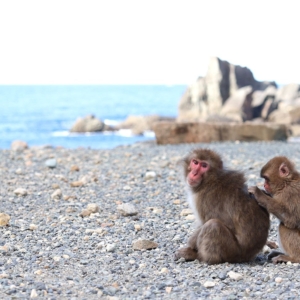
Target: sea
[{"x": 43, "y": 114}]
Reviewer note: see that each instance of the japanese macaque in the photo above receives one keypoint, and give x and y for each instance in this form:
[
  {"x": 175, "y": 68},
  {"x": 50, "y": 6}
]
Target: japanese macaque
[
  {"x": 282, "y": 199},
  {"x": 232, "y": 226}
]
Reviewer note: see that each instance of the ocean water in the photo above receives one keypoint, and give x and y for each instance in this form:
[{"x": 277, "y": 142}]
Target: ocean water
[{"x": 43, "y": 115}]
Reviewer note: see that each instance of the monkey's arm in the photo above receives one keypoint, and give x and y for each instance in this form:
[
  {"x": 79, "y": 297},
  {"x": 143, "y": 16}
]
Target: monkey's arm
[{"x": 275, "y": 207}]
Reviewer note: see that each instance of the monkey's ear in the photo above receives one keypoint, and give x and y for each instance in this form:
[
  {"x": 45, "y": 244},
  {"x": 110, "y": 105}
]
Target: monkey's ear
[{"x": 284, "y": 171}]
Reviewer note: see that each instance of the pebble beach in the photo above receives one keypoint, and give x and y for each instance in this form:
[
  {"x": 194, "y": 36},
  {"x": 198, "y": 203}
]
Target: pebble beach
[{"x": 104, "y": 224}]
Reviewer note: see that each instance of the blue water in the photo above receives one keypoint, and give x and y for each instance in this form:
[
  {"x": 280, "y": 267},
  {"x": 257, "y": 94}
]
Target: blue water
[{"x": 43, "y": 115}]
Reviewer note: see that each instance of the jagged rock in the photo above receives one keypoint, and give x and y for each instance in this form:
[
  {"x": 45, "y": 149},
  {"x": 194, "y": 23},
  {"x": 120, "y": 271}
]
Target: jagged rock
[
  {"x": 286, "y": 115},
  {"x": 288, "y": 93},
  {"x": 88, "y": 124},
  {"x": 207, "y": 96},
  {"x": 200, "y": 132},
  {"x": 238, "y": 106},
  {"x": 140, "y": 124}
]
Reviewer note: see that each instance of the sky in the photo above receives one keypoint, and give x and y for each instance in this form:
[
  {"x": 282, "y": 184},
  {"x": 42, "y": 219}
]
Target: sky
[{"x": 145, "y": 42}]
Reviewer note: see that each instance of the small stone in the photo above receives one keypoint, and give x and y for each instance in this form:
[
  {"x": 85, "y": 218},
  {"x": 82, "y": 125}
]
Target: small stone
[
  {"x": 56, "y": 195},
  {"x": 190, "y": 217},
  {"x": 4, "y": 219},
  {"x": 76, "y": 184},
  {"x": 137, "y": 227},
  {"x": 18, "y": 146},
  {"x": 127, "y": 209},
  {"x": 209, "y": 284},
  {"x": 33, "y": 294},
  {"x": 168, "y": 289},
  {"x": 266, "y": 249},
  {"x": 176, "y": 202},
  {"x": 127, "y": 188},
  {"x": 93, "y": 207},
  {"x": 132, "y": 261},
  {"x": 164, "y": 270},
  {"x": 85, "y": 213},
  {"x": 186, "y": 211},
  {"x": 32, "y": 227},
  {"x": 234, "y": 275},
  {"x": 51, "y": 163},
  {"x": 55, "y": 186},
  {"x": 19, "y": 171},
  {"x": 65, "y": 256},
  {"x": 144, "y": 244},
  {"x": 111, "y": 247},
  {"x": 150, "y": 175},
  {"x": 75, "y": 168},
  {"x": 278, "y": 279},
  {"x": 56, "y": 258},
  {"x": 38, "y": 272},
  {"x": 20, "y": 192}
]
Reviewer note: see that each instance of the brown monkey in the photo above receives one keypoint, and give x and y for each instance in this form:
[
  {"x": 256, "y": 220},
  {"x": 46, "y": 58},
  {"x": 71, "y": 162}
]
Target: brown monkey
[
  {"x": 282, "y": 183},
  {"x": 233, "y": 227}
]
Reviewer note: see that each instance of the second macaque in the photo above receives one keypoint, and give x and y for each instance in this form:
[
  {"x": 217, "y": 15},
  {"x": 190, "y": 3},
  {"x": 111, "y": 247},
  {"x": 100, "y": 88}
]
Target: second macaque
[{"x": 282, "y": 199}]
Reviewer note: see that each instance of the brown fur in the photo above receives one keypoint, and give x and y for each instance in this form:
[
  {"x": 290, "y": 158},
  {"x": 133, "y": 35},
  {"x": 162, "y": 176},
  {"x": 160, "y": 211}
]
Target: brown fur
[
  {"x": 282, "y": 182},
  {"x": 234, "y": 227}
]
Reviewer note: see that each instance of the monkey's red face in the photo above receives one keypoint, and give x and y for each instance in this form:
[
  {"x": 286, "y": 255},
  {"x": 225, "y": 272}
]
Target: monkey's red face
[
  {"x": 267, "y": 185},
  {"x": 196, "y": 170}
]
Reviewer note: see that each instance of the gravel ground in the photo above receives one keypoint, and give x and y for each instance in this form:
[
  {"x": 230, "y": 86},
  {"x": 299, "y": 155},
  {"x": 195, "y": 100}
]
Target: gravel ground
[{"x": 55, "y": 247}]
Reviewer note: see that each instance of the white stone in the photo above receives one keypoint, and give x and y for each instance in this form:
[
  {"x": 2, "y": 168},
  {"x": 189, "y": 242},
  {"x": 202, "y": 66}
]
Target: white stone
[
  {"x": 111, "y": 247},
  {"x": 209, "y": 284},
  {"x": 33, "y": 294},
  {"x": 20, "y": 192},
  {"x": 150, "y": 175},
  {"x": 234, "y": 275}
]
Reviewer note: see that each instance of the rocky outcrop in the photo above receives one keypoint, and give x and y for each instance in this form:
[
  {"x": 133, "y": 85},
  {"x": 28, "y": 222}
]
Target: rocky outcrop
[
  {"x": 202, "y": 132},
  {"x": 88, "y": 124},
  {"x": 208, "y": 94},
  {"x": 139, "y": 124}
]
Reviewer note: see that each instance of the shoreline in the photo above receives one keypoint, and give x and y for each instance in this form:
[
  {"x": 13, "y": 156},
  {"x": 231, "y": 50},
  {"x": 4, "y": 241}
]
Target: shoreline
[{"x": 49, "y": 250}]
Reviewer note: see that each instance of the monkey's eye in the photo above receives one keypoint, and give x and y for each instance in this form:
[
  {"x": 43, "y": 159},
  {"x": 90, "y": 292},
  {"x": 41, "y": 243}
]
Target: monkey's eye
[
  {"x": 195, "y": 162},
  {"x": 204, "y": 165}
]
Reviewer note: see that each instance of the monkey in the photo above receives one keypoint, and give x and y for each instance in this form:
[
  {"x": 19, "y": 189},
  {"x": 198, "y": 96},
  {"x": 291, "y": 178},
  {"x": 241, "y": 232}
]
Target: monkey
[
  {"x": 282, "y": 199},
  {"x": 232, "y": 227}
]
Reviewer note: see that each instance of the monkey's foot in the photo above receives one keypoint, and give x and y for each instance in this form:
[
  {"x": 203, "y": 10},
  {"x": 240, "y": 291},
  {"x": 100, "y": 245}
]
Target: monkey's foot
[
  {"x": 187, "y": 253},
  {"x": 271, "y": 245},
  {"x": 274, "y": 254},
  {"x": 284, "y": 258}
]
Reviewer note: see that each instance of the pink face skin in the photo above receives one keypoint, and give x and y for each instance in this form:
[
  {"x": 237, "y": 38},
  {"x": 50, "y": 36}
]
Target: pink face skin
[
  {"x": 267, "y": 186},
  {"x": 197, "y": 169}
]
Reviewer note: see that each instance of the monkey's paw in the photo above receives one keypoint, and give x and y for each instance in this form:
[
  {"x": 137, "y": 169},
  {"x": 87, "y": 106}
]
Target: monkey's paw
[
  {"x": 187, "y": 253},
  {"x": 252, "y": 190}
]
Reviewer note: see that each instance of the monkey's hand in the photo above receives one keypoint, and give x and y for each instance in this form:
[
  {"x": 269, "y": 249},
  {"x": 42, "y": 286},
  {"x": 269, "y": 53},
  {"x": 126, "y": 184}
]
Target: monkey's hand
[{"x": 258, "y": 194}]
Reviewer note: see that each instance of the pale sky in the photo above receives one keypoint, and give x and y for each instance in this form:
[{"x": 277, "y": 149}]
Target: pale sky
[{"x": 145, "y": 42}]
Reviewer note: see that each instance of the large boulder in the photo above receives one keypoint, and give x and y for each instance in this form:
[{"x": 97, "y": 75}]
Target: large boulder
[
  {"x": 88, "y": 124},
  {"x": 139, "y": 124},
  {"x": 208, "y": 94},
  {"x": 201, "y": 132},
  {"x": 238, "y": 106}
]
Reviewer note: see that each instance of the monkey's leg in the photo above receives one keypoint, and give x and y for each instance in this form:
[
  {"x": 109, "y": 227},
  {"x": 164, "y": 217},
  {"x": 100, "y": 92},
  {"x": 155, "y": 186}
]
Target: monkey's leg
[
  {"x": 190, "y": 252},
  {"x": 284, "y": 258},
  {"x": 290, "y": 241},
  {"x": 217, "y": 244}
]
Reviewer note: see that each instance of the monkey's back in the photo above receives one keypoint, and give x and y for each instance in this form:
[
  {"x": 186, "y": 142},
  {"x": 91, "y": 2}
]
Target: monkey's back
[{"x": 224, "y": 196}]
